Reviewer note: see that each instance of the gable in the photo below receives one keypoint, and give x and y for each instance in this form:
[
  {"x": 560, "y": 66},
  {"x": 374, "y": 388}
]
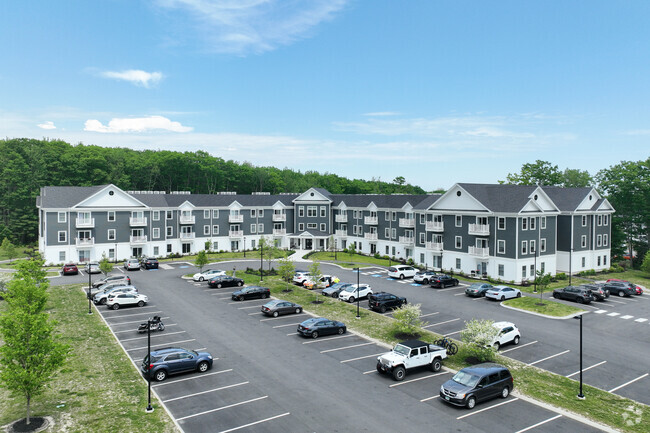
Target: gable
[
  {"x": 588, "y": 201},
  {"x": 539, "y": 202},
  {"x": 605, "y": 206},
  {"x": 110, "y": 197},
  {"x": 457, "y": 198},
  {"x": 278, "y": 205},
  {"x": 235, "y": 205},
  {"x": 373, "y": 207},
  {"x": 312, "y": 195},
  {"x": 186, "y": 206}
]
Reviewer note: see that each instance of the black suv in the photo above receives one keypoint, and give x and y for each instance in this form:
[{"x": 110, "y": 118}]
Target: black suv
[
  {"x": 620, "y": 288},
  {"x": 443, "y": 280},
  {"x": 578, "y": 294},
  {"x": 173, "y": 360},
  {"x": 149, "y": 263},
  {"x": 477, "y": 383},
  {"x": 383, "y": 301}
]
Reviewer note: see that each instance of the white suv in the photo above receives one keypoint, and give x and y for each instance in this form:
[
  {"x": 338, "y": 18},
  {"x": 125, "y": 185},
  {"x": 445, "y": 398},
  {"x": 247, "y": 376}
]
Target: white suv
[
  {"x": 508, "y": 333},
  {"x": 352, "y": 293},
  {"x": 401, "y": 271},
  {"x": 300, "y": 277}
]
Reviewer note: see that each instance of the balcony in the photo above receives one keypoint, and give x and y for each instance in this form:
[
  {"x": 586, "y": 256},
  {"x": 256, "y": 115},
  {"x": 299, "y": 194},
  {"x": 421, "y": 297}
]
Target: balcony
[
  {"x": 187, "y": 219},
  {"x": 370, "y": 236},
  {"x": 371, "y": 221},
  {"x": 435, "y": 226},
  {"x": 479, "y": 229},
  {"x": 187, "y": 235},
  {"x": 85, "y": 223},
  {"x": 407, "y": 223},
  {"x": 84, "y": 242},
  {"x": 138, "y": 221},
  {"x": 479, "y": 252},
  {"x": 341, "y": 218},
  {"x": 138, "y": 240},
  {"x": 279, "y": 232},
  {"x": 434, "y": 246},
  {"x": 409, "y": 240},
  {"x": 235, "y": 218},
  {"x": 236, "y": 233},
  {"x": 279, "y": 217}
]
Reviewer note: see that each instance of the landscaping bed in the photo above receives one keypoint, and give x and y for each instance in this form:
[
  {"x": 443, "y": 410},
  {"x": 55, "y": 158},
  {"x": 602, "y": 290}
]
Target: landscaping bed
[{"x": 547, "y": 307}]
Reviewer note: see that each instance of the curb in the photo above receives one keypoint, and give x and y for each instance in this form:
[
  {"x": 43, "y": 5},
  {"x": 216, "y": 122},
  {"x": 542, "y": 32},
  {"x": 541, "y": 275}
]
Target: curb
[{"x": 570, "y": 316}]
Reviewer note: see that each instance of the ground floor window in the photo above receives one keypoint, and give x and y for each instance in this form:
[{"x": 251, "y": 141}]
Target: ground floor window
[
  {"x": 457, "y": 263},
  {"x": 387, "y": 248},
  {"x": 501, "y": 270},
  {"x": 598, "y": 260},
  {"x": 604, "y": 260},
  {"x": 253, "y": 244},
  {"x": 111, "y": 253},
  {"x": 84, "y": 255},
  {"x": 584, "y": 262},
  {"x": 393, "y": 251},
  {"x": 437, "y": 262},
  {"x": 137, "y": 252},
  {"x": 543, "y": 268},
  {"x": 169, "y": 248},
  {"x": 156, "y": 251},
  {"x": 421, "y": 257},
  {"x": 62, "y": 256},
  {"x": 215, "y": 246},
  {"x": 523, "y": 272},
  {"x": 187, "y": 248}
]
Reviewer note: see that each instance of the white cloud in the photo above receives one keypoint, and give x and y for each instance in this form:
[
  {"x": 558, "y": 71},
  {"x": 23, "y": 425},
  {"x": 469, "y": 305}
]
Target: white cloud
[
  {"x": 245, "y": 26},
  {"x": 135, "y": 76},
  {"x": 382, "y": 114},
  {"x": 46, "y": 125},
  {"x": 136, "y": 124},
  {"x": 638, "y": 132}
]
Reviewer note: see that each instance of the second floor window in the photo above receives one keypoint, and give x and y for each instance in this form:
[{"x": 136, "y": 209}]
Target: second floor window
[
  {"x": 111, "y": 215},
  {"x": 111, "y": 234},
  {"x": 61, "y": 217}
]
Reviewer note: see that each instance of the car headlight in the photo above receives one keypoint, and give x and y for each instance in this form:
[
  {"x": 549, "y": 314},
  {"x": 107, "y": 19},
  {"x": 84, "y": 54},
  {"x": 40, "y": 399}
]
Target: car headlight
[
  {"x": 209, "y": 356},
  {"x": 442, "y": 388},
  {"x": 460, "y": 395}
]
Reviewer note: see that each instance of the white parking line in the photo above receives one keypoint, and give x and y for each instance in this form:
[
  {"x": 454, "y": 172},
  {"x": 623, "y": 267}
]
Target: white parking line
[
  {"x": 222, "y": 408},
  {"x": 429, "y": 314},
  {"x": 254, "y": 423},
  {"x": 155, "y": 335},
  {"x": 134, "y": 321},
  {"x": 627, "y": 383},
  {"x": 441, "y": 323},
  {"x": 452, "y": 333},
  {"x": 170, "y": 343},
  {"x": 289, "y": 324},
  {"x": 418, "y": 379},
  {"x": 248, "y": 308},
  {"x": 115, "y": 316},
  {"x": 538, "y": 424},
  {"x": 255, "y": 313},
  {"x": 641, "y": 320},
  {"x": 626, "y": 317},
  {"x": 487, "y": 408},
  {"x": 280, "y": 317},
  {"x": 585, "y": 369},
  {"x": 614, "y": 314},
  {"x": 549, "y": 357},
  {"x": 600, "y": 311},
  {"x": 169, "y": 382},
  {"x": 345, "y": 347},
  {"x": 328, "y": 339},
  {"x": 429, "y": 398},
  {"x": 518, "y": 347},
  {"x": 205, "y": 392},
  {"x": 360, "y": 357},
  {"x": 449, "y": 288},
  {"x": 459, "y": 294},
  {"x": 618, "y": 302}
]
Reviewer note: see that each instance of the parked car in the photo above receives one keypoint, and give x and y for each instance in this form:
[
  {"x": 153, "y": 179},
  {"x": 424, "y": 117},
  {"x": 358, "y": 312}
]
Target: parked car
[
  {"x": 149, "y": 263},
  {"x": 442, "y": 280},
  {"x": 477, "y": 383},
  {"x": 424, "y": 276},
  {"x": 129, "y": 299},
  {"x": 597, "y": 291},
  {"x": 278, "y": 307},
  {"x": 620, "y": 288},
  {"x": 384, "y": 301},
  {"x": 92, "y": 268},
  {"x": 208, "y": 275},
  {"x": 101, "y": 297},
  {"x": 508, "y": 333},
  {"x": 352, "y": 292},
  {"x": 111, "y": 278},
  {"x": 335, "y": 289},
  {"x": 251, "y": 292},
  {"x": 476, "y": 290},
  {"x": 401, "y": 271},
  {"x": 317, "y": 326},
  {"x": 638, "y": 290},
  {"x": 132, "y": 264},
  {"x": 111, "y": 284},
  {"x": 323, "y": 282},
  {"x": 225, "y": 281},
  {"x": 581, "y": 295},
  {"x": 300, "y": 277},
  {"x": 173, "y": 360},
  {"x": 411, "y": 354},
  {"x": 70, "y": 269},
  {"x": 502, "y": 293}
]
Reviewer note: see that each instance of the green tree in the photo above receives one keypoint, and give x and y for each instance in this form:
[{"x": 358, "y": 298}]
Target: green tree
[
  {"x": 104, "y": 265},
  {"x": 645, "y": 266},
  {"x": 407, "y": 319},
  {"x": 8, "y": 249},
  {"x": 31, "y": 352},
  {"x": 478, "y": 337},
  {"x": 399, "y": 180},
  {"x": 542, "y": 281},
  {"x": 537, "y": 173},
  {"x": 207, "y": 245},
  {"x": 315, "y": 271},
  {"x": 574, "y": 178},
  {"x": 286, "y": 269},
  {"x": 352, "y": 250},
  {"x": 201, "y": 260}
]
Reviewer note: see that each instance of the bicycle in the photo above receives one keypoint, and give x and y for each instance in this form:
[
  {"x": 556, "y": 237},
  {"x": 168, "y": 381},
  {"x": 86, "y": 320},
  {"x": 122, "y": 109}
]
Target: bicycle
[{"x": 452, "y": 348}]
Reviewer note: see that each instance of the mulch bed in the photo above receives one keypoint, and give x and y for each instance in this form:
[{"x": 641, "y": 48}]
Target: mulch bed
[{"x": 35, "y": 424}]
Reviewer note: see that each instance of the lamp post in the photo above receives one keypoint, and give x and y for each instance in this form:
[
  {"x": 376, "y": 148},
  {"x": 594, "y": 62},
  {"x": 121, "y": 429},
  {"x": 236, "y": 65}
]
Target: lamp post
[
  {"x": 581, "y": 396},
  {"x": 570, "y": 260},
  {"x": 358, "y": 291},
  {"x": 261, "y": 261},
  {"x": 90, "y": 311},
  {"x": 244, "y": 246},
  {"x": 535, "y": 273},
  {"x": 115, "y": 252},
  {"x": 149, "y": 409}
]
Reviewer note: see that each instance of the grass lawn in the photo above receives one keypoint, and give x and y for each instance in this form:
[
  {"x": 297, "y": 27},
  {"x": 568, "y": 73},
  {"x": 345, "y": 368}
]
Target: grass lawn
[
  {"x": 98, "y": 389},
  {"x": 347, "y": 261},
  {"x": 549, "y": 308}
]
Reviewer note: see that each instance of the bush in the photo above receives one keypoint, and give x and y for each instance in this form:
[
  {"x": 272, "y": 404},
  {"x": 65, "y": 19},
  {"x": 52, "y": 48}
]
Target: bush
[
  {"x": 377, "y": 256},
  {"x": 407, "y": 319},
  {"x": 174, "y": 255},
  {"x": 586, "y": 273},
  {"x": 616, "y": 269},
  {"x": 252, "y": 271},
  {"x": 478, "y": 336},
  {"x": 561, "y": 276}
]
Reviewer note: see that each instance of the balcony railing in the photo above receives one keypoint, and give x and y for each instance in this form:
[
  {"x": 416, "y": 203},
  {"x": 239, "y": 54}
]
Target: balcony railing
[
  {"x": 342, "y": 233},
  {"x": 435, "y": 246},
  {"x": 479, "y": 229},
  {"x": 341, "y": 218},
  {"x": 84, "y": 242},
  {"x": 138, "y": 221},
  {"x": 479, "y": 252},
  {"x": 279, "y": 217},
  {"x": 187, "y": 235},
  {"x": 138, "y": 239},
  {"x": 235, "y": 218},
  {"x": 407, "y": 222},
  {"x": 279, "y": 232},
  {"x": 370, "y": 236},
  {"x": 372, "y": 221},
  {"x": 85, "y": 223},
  {"x": 236, "y": 233},
  {"x": 435, "y": 226},
  {"x": 406, "y": 240},
  {"x": 187, "y": 219}
]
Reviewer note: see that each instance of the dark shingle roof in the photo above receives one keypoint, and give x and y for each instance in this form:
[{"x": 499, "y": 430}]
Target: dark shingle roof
[
  {"x": 500, "y": 197},
  {"x": 380, "y": 200},
  {"x": 567, "y": 199},
  {"x": 66, "y": 196}
]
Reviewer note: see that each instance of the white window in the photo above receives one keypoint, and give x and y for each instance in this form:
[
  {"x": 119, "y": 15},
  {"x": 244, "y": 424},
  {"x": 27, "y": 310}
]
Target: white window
[
  {"x": 542, "y": 268},
  {"x": 459, "y": 221},
  {"x": 393, "y": 233},
  {"x": 501, "y": 224},
  {"x": 253, "y": 228},
  {"x": 155, "y": 215},
  {"x": 170, "y": 231},
  {"x": 501, "y": 270},
  {"x": 600, "y": 220},
  {"x": 604, "y": 260},
  {"x": 524, "y": 223},
  {"x": 322, "y": 227},
  {"x": 422, "y": 238},
  {"x": 62, "y": 256},
  {"x": 156, "y": 251},
  {"x": 111, "y": 234},
  {"x": 311, "y": 211},
  {"x": 387, "y": 218},
  {"x": 532, "y": 223},
  {"x": 542, "y": 222},
  {"x": 457, "y": 263},
  {"x": 260, "y": 228},
  {"x": 215, "y": 213},
  {"x": 605, "y": 221},
  {"x": 312, "y": 226},
  {"x": 524, "y": 247},
  {"x": 532, "y": 247},
  {"x": 542, "y": 245},
  {"x": 61, "y": 217},
  {"x": 583, "y": 241},
  {"x": 301, "y": 211},
  {"x": 253, "y": 212},
  {"x": 459, "y": 242},
  {"x": 206, "y": 230},
  {"x": 599, "y": 240},
  {"x": 394, "y": 216},
  {"x": 387, "y": 233},
  {"x": 584, "y": 263},
  {"x": 169, "y": 215},
  {"x": 63, "y": 236},
  {"x": 323, "y": 211},
  {"x": 111, "y": 253},
  {"x": 206, "y": 214},
  {"x": 604, "y": 240},
  {"x": 215, "y": 229},
  {"x": 215, "y": 246},
  {"x": 110, "y": 215},
  {"x": 501, "y": 246},
  {"x": 532, "y": 270},
  {"x": 301, "y": 226},
  {"x": 354, "y": 230},
  {"x": 155, "y": 232},
  {"x": 422, "y": 218},
  {"x": 584, "y": 221},
  {"x": 355, "y": 214},
  {"x": 260, "y": 213},
  {"x": 523, "y": 271}
]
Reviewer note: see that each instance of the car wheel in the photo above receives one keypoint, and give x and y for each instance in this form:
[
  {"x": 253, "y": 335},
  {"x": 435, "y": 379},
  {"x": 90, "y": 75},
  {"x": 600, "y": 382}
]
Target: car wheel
[
  {"x": 516, "y": 340},
  {"x": 399, "y": 373},
  {"x": 621, "y": 293},
  {"x": 160, "y": 375},
  {"x": 497, "y": 345},
  {"x": 401, "y": 276},
  {"x": 203, "y": 366},
  {"x": 276, "y": 314},
  {"x": 116, "y": 306},
  {"x": 556, "y": 296},
  {"x": 471, "y": 402},
  {"x": 239, "y": 283},
  {"x": 298, "y": 310},
  {"x": 264, "y": 295},
  {"x": 341, "y": 331},
  {"x": 382, "y": 309},
  {"x": 351, "y": 299},
  {"x": 425, "y": 281},
  {"x": 456, "y": 282},
  {"x": 379, "y": 369},
  {"x": 240, "y": 298},
  {"x": 218, "y": 285},
  {"x": 519, "y": 295},
  {"x": 103, "y": 301},
  {"x": 314, "y": 334},
  {"x": 503, "y": 297},
  {"x": 140, "y": 303},
  {"x": 505, "y": 392},
  {"x": 580, "y": 300},
  {"x": 201, "y": 279},
  {"x": 436, "y": 365}
]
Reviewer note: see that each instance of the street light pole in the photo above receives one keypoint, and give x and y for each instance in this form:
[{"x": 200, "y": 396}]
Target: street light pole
[
  {"x": 535, "y": 274},
  {"x": 149, "y": 409},
  {"x": 244, "y": 246},
  {"x": 90, "y": 311},
  {"x": 358, "y": 291},
  {"x": 261, "y": 261},
  {"x": 581, "y": 396},
  {"x": 570, "y": 260}
]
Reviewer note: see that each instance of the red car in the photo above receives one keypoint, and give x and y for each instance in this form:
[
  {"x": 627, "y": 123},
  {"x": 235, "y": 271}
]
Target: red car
[
  {"x": 637, "y": 290},
  {"x": 70, "y": 269}
]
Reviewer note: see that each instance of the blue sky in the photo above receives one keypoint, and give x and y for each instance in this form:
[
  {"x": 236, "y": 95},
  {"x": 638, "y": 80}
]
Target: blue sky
[{"x": 436, "y": 91}]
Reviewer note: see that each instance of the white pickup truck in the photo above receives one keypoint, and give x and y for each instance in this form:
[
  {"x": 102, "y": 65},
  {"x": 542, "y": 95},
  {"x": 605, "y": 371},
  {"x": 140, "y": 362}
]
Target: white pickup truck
[{"x": 411, "y": 354}]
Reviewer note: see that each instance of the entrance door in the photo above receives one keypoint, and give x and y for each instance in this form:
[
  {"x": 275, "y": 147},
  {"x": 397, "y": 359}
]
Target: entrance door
[
  {"x": 234, "y": 245},
  {"x": 136, "y": 252},
  {"x": 308, "y": 244},
  {"x": 187, "y": 248}
]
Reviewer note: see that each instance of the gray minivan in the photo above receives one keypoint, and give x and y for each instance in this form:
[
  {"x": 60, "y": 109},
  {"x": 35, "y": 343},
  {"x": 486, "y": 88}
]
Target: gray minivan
[{"x": 477, "y": 383}]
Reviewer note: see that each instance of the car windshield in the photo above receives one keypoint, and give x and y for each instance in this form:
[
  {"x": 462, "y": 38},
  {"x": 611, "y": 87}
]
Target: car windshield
[
  {"x": 476, "y": 286},
  {"x": 402, "y": 350},
  {"x": 466, "y": 379}
]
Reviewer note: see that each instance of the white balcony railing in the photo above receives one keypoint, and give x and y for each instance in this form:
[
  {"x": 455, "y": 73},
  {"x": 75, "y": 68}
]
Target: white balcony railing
[
  {"x": 279, "y": 217},
  {"x": 138, "y": 239},
  {"x": 479, "y": 229},
  {"x": 434, "y": 246},
  {"x": 341, "y": 218},
  {"x": 406, "y": 240},
  {"x": 85, "y": 223},
  {"x": 479, "y": 252},
  {"x": 370, "y": 236},
  {"x": 435, "y": 226},
  {"x": 407, "y": 222},
  {"x": 187, "y": 219},
  {"x": 372, "y": 221},
  {"x": 187, "y": 235},
  {"x": 235, "y": 218},
  {"x": 279, "y": 232},
  {"x": 138, "y": 221},
  {"x": 236, "y": 233},
  {"x": 84, "y": 242},
  {"x": 342, "y": 233}
]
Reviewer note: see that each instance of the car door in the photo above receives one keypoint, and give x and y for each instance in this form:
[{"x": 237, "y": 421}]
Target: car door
[
  {"x": 328, "y": 328},
  {"x": 492, "y": 389},
  {"x": 482, "y": 390},
  {"x": 186, "y": 361},
  {"x": 509, "y": 293},
  {"x": 506, "y": 335},
  {"x": 173, "y": 362}
]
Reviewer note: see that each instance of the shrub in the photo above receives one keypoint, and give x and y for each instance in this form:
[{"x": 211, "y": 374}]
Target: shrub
[
  {"x": 561, "y": 276},
  {"x": 478, "y": 336},
  {"x": 407, "y": 319},
  {"x": 377, "y": 256}
]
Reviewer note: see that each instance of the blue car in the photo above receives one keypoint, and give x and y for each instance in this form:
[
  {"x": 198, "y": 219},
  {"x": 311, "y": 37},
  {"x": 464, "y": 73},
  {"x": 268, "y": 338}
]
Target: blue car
[
  {"x": 318, "y": 326},
  {"x": 174, "y": 360}
]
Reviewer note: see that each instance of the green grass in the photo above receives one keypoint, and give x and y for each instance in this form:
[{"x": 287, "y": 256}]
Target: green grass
[
  {"x": 347, "y": 261},
  {"x": 98, "y": 389},
  {"x": 549, "y": 308}
]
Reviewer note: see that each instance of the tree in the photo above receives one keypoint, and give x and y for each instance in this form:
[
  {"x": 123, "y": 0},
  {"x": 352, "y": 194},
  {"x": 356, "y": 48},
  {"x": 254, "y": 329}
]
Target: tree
[
  {"x": 286, "y": 269},
  {"x": 537, "y": 173},
  {"x": 352, "y": 250},
  {"x": 201, "y": 260},
  {"x": 104, "y": 265},
  {"x": 407, "y": 319},
  {"x": 478, "y": 337},
  {"x": 645, "y": 266},
  {"x": 31, "y": 352},
  {"x": 574, "y": 178},
  {"x": 314, "y": 271},
  {"x": 8, "y": 249},
  {"x": 542, "y": 281},
  {"x": 399, "y": 180},
  {"x": 207, "y": 245}
]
